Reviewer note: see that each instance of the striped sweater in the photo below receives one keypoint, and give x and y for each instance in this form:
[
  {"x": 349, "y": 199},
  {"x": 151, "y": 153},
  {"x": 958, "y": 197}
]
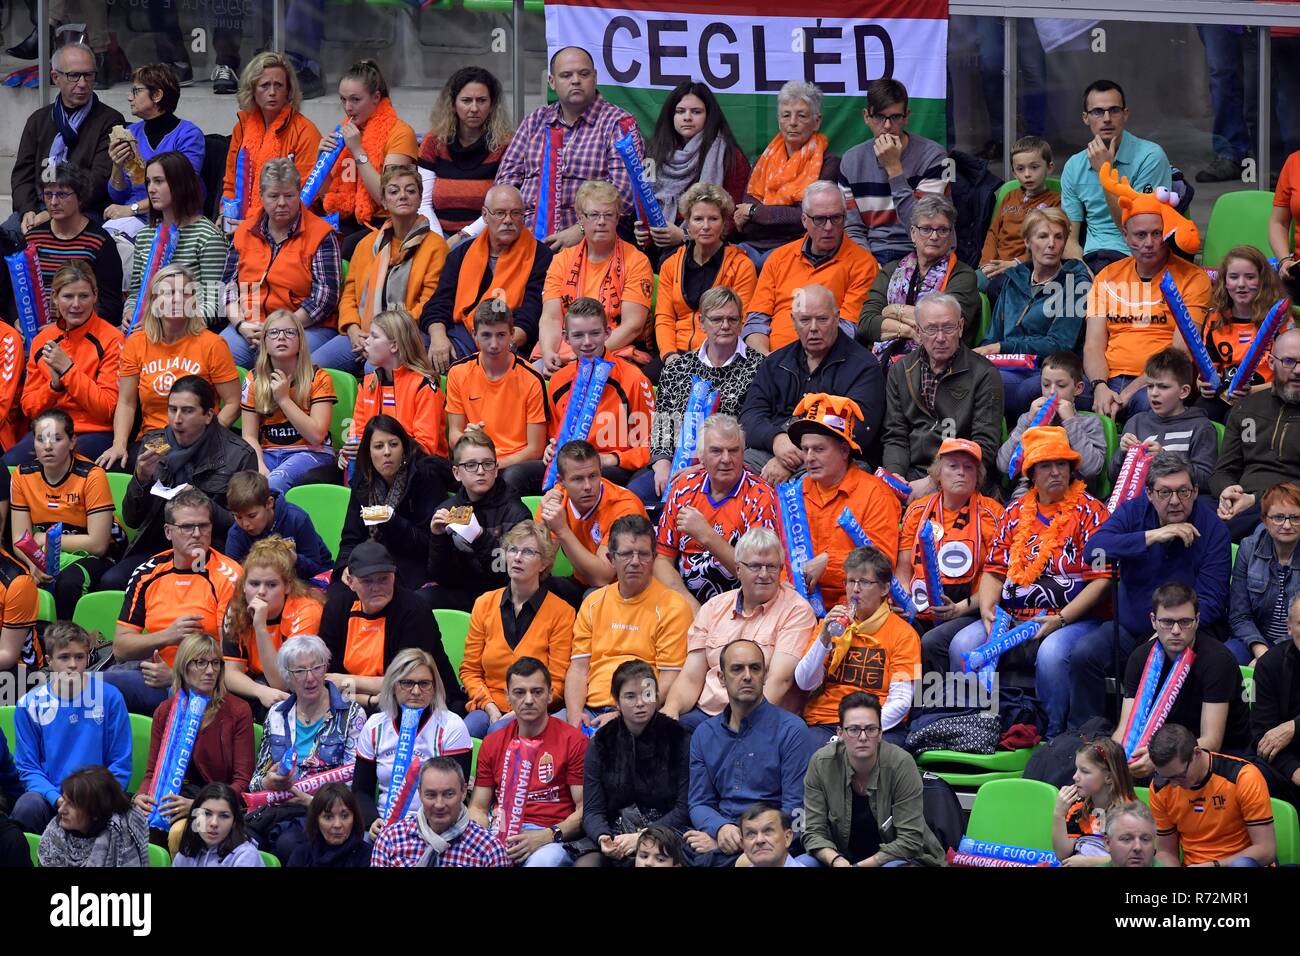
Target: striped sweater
[
  {"x": 882, "y": 209},
  {"x": 202, "y": 247},
  {"x": 91, "y": 246},
  {"x": 463, "y": 175}
]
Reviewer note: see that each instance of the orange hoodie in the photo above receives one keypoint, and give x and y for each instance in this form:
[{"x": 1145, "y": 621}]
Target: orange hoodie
[{"x": 414, "y": 400}]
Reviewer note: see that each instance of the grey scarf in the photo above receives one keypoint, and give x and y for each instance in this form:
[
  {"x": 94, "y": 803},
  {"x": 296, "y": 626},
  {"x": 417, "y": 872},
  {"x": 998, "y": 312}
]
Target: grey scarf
[
  {"x": 685, "y": 169},
  {"x": 123, "y": 842},
  {"x": 439, "y": 843}
]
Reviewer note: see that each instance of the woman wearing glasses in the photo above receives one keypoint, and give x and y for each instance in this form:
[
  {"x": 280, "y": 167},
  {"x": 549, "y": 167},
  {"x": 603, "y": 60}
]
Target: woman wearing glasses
[
  {"x": 223, "y": 749},
  {"x": 396, "y": 265},
  {"x": 603, "y": 267},
  {"x": 313, "y": 730},
  {"x": 411, "y": 682},
  {"x": 1266, "y": 576},
  {"x": 271, "y": 605},
  {"x": 523, "y": 619},
  {"x": 465, "y": 558},
  {"x": 287, "y": 404},
  {"x": 888, "y": 319}
]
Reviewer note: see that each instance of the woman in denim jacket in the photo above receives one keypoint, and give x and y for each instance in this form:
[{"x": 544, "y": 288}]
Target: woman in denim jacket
[{"x": 1266, "y": 576}]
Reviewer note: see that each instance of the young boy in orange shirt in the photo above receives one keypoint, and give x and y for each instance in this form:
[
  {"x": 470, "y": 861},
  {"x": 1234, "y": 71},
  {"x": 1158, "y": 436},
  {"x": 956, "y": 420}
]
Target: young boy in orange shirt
[{"x": 1031, "y": 161}]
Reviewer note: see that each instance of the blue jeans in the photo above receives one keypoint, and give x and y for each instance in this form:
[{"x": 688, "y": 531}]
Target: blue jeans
[
  {"x": 1091, "y": 660},
  {"x": 553, "y": 854},
  {"x": 1240, "y": 651},
  {"x": 288, "y": 466},
  {"x": 693, "y": 718},
  {"x": 756, "y": 256},
  {"x": 1139, "y": 401},
  {"x": 1051, "y": 670},
  {"x": 244, "y": 354},
  {"x": 140, "y": 698},
  {"x": 1020, "y": 386},
  {"x": 32, "y": 812},
  {"x": 643, "y": 486},
  {"x": 480, "y": 725},
  {"x": 1224, "y": 61},
  {"x": 91, "y": 445}
]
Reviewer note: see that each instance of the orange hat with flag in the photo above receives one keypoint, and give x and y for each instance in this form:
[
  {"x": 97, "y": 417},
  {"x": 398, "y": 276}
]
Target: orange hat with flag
[{"x": 824, "y": 414}]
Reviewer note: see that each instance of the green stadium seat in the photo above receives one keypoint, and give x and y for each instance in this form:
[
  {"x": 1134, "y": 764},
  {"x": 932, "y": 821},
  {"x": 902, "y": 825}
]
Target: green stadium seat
[
  {"x": 1219, "y": 430},
  {"x": 454, "y": 627},
  {"x": 33, "y": 847},
  {"x": 986, "y": 318},
  {"x": 257, "y": 740},
  {"x": 1286, "y": 830},
  {"x": 1108, "y": 429},
  {"x": 117, "y": 482},
  {"x": 45, "y": 610},
  {"x": 99, "y": 611},
  {"x": 1017, "y": 812},
  {"x": 328, "y": 506},
  {"x": 243, "y": 377},
  {"x": 345, "y": 390},
  {"x": 270, "y": 860},
  {"x": 158, "y": 856},
  {"x": 7, "y": 725},
  {"x": 975, "y": 770},
  {"x": 561, "y": 568},
  {"x": 141, "y": 732},
  {"x": 1239, "y": 218},
  {"x": 473, "y": 760}
]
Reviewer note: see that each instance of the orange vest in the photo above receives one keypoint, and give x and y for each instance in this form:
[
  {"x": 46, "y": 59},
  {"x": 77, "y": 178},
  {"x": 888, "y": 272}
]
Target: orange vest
[{"x": 282, "y": 281}]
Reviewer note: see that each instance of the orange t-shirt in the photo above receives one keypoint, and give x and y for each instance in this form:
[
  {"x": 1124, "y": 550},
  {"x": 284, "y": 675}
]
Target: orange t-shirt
[
  {"x": 593, "y": 527},
  {"x": 364, "y": 653},
  {"x": 1213, "y": 820},
  {"x": 83, "y": 491},
  {"x": 159, "y": 593},
  {"x": 507, "y": 406},
  {"x": 159, "y": 365},
  {"x": 1227, "y": 347},
  {"x": 877, "y": 509},
  {"x": 275, "y": 430},
  {"x": 638, "y": 280},
  {"x": 1139, "y": 323},
  {"x": 1287, "y": 193},
  {"x": 873, "y": 662},
  {"x": 301, "y": 615}
]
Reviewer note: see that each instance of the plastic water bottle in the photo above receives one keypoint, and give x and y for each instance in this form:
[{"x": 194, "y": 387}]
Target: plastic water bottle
[{"x": 836, "y": 627}]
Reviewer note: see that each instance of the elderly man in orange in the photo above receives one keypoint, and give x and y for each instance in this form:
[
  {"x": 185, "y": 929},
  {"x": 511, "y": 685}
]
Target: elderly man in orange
[
  {"x": 822, "y": 256},
  {"x": 1128, "y": 317},
  {"x": 833, "y": 482}
]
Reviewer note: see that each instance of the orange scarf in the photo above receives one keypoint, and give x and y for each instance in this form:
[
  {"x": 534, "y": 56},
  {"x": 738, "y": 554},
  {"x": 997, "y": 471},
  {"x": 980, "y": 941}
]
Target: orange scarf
[
  {"x": 779, "y": 179},
  {"x": 353, "y": 198},
  {"x": 610, "y": 293},
  {"x": 262, "y": 143},
  {"x": 509, "y": 278}
]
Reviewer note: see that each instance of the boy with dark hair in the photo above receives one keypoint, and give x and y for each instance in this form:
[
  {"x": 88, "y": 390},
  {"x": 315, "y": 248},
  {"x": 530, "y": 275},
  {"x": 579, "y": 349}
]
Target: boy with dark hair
[
  {"x": 1062, "y": 376},
  {"x": 260, "y": 513},
  {"x": 1004, "y": 247},
  {"x": 1172, "y": 425},
  {"x": 73, "y": 721}
]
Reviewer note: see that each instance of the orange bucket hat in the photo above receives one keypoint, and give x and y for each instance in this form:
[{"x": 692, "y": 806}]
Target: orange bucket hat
[{"x": 1047, "y": 443}]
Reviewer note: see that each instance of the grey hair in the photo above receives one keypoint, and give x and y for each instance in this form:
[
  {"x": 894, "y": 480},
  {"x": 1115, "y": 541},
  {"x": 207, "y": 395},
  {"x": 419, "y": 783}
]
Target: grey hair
[
  {"x": 56, "y": 61},
  {"x": 298, "y": 651},
  {"x": 937, "y": 300},
  {"x": 933, "y": 204},
  {"x": 819, "y": 186},
  {"x": 1166, "y": 463},
  {"x": 401, "y": 665},
  {"x": 799, "y": 90},
  {"x": 278, "y": 171},
  {"x": 757, "y": 541},
  {"x": 720, "y": 422},
  {"x": 801, "y": 295},
  {"x": 1135, "y": 808}
]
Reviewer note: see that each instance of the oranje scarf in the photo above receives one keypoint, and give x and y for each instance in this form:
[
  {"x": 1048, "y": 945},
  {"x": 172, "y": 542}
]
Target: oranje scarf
[
  {"x": 509, "y": 278},
  {"x": 779, "y": 179},
  {"x": 263, "y": 143},
  {"x": 610, "y": 293},
  {"x": 864, "y": 630},
  {"x": 353, "y": 198}
]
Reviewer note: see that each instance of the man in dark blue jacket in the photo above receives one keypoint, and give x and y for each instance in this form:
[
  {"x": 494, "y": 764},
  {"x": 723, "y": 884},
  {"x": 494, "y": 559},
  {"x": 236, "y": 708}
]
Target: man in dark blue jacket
[
  {"x": 825, "y": 359},
  {"x": 1168, "y": 534}
]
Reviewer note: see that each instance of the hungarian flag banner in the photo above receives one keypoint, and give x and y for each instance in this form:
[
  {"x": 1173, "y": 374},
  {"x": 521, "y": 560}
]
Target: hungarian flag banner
[{"x": 744, "y": 50}]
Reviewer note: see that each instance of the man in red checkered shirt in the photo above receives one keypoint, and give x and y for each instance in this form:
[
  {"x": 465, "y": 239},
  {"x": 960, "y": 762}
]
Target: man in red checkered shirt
[
  {"x": 441, "y": 834},
  {"x": 578, "y": 130}
]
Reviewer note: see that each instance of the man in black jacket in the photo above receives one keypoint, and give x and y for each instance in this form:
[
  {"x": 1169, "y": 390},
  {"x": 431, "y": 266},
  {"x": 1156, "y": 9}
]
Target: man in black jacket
[
  {"x": 465, "y": 556},
  {"x": 1275, "y": 711},
  {"x": 74, "y": 128},
  {"x": 200, "y": 452},
  {"x": 823, "y": 360}
]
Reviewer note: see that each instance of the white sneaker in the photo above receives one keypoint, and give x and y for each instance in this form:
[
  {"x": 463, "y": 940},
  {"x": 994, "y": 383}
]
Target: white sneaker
[{"x": 224, "y": 80}]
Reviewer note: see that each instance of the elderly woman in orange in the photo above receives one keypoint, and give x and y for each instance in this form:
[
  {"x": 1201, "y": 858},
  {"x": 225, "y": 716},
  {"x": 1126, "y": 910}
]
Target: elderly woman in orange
[
  {"x": 1039, "y": 566},
  {"x": 269, "y": 126},
  {"x": 376, "y": 139},
  {"x": 604, "y": 267},
  {"x": 704, "y": 262},
  {"x": 965, "y": 523},
  {"x": 396, "y": 265},
  {"x": 284, "y": 257},
  {"x": 770, "y": 214},
  {"x": 523, "y": 619}
]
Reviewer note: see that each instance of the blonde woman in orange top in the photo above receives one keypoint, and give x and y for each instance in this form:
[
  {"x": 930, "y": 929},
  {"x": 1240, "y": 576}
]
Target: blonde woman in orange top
[
  {"x": 704, "y": 262},
  {"x": 523, "y": 619}
]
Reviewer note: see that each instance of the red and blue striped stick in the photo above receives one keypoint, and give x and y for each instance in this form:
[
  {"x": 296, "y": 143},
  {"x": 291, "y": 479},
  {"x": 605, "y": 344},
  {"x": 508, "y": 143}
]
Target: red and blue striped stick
[
  {"x": 160, "y": 254},
  {"x": 1260, "y": 344},
  {"x": 1041, "y": 417}
]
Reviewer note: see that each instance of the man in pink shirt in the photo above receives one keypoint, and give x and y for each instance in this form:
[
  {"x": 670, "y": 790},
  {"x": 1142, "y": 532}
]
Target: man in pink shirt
[{"x": 763, "y": 610}]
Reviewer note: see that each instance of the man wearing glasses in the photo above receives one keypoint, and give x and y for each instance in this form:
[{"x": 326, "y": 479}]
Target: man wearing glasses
[
  {"x": 504, "y": 262},
  {"x": 1169, "y": 534},
  {"x": 1205, "y": 686},
  {"x": 174, "y": 594},
  {"x": 820, "y": 256},
  {"x": 636, "y": 617},
  {"x": 74, "y": 128},
  {"x": 1261, "y": 441},
  {"x": 862, "y": 798},
  {"x": 942, "y": 390},
  {"x": 889, "y": 172},
  {"x": 1084, "y": 201}
]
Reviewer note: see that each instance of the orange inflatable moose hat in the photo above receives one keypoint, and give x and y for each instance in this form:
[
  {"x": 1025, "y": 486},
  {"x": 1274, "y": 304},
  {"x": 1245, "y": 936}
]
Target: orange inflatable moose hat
[{"x": 1159, "y": 203}]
